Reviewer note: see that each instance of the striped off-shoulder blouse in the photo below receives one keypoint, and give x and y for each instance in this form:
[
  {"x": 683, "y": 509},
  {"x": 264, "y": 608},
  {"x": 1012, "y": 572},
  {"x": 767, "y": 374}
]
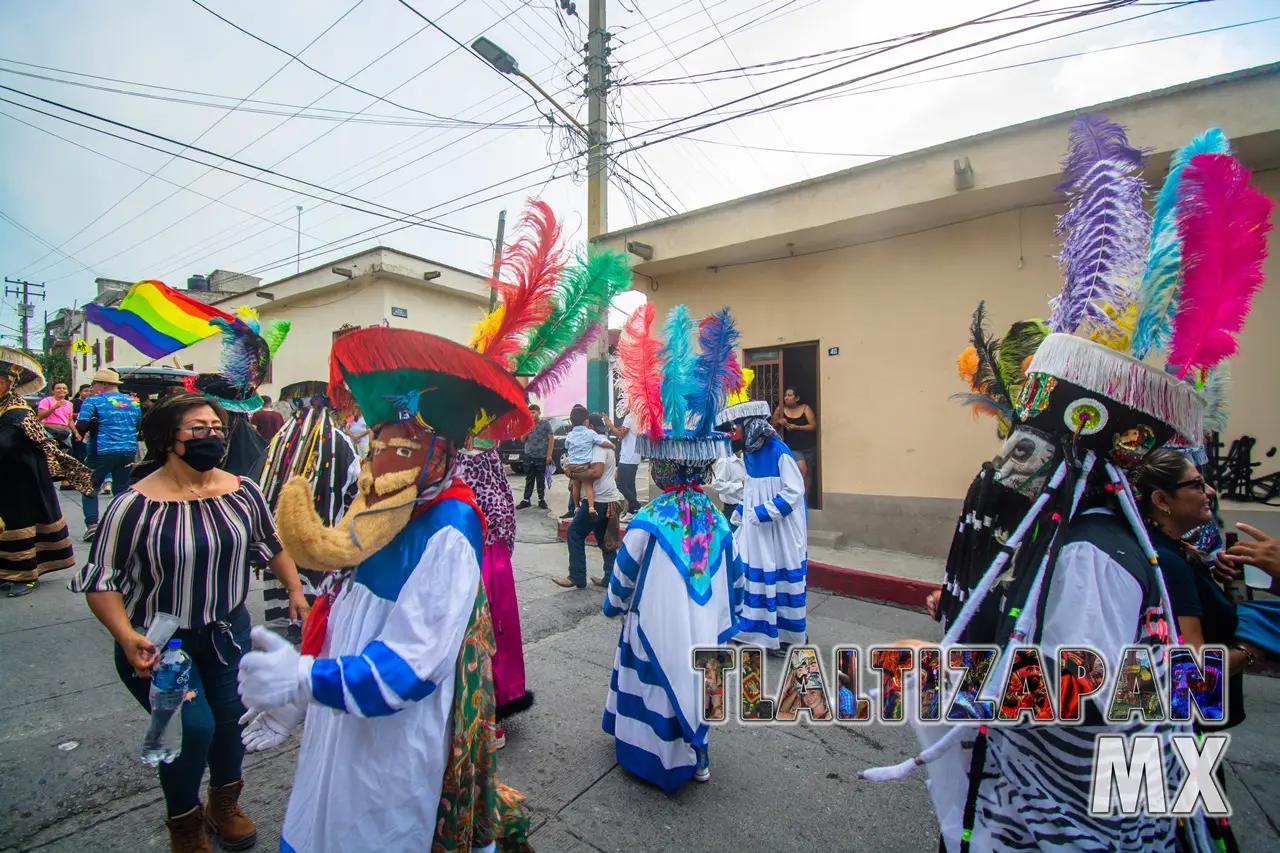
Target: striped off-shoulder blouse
[{"x": 188, "y": 558}]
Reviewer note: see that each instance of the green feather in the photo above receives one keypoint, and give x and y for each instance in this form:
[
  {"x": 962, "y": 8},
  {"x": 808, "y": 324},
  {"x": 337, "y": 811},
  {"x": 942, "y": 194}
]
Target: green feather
[
  {"x": 1022, "y": 340},
  {"x": 582, "y": 299},
  {"x": 275, "y": 335}
]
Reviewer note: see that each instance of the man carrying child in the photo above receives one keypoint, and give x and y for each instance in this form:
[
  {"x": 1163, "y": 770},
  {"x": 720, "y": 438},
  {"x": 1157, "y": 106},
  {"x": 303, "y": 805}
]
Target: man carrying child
[
  {"x": 579, "y": 445},
  {"x": 598, "y": 512}
]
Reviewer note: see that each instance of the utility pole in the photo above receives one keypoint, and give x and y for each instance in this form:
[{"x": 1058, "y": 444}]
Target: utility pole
[
  {"x": 597, "y": 184},
  {"x": 298, "y": 268},
  {"x": 497, "y": 256},
  {"x": 25, "y": 309}
]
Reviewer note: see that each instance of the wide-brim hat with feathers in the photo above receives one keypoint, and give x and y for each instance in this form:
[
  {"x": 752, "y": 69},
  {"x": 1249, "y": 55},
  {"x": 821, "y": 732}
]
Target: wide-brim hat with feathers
[
  {"x": 400, "y": 374},
  {"x": 247, "y": 351},
  {"x": 22, "y": 369}
]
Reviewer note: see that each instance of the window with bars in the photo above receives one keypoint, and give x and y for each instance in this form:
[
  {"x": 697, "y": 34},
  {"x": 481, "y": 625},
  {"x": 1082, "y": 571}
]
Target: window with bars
[{"x": 110, "y": 350}]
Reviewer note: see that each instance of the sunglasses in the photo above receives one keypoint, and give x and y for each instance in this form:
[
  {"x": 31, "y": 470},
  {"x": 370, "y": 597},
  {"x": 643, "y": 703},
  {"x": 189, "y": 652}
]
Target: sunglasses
[{"x": 1198, "y": 484}]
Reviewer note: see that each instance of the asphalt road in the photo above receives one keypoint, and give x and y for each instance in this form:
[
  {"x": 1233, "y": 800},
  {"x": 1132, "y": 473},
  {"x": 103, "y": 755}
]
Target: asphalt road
[{"x": 70, "y": 781}]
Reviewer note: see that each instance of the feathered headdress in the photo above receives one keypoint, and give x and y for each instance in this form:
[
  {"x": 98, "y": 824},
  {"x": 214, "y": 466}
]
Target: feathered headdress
[
  {"x": 1162, "y": 276},
  {"x": 532, "y": 265},
  {"x": 1223, "y": 224},
  {"x": 581, "y": 300},
  {"x": 669, "y": 384},
  {"x": 640, "y": 359},
  {"x": 246, "y": 357},
  {"x": 1105, "y": 227}
]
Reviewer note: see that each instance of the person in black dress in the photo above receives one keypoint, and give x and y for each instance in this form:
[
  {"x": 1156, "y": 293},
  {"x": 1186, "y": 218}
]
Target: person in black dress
[{"x": 798, "y": 425}]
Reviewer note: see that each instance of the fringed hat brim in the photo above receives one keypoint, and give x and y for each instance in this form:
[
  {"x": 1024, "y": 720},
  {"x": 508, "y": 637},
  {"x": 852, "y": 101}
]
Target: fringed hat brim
[
  {"x": 216, "y": 387},
  {"x": 306, "y": 388},
  {"x": 691, "y": 449},
  {"x": 24, "y": 370},
  {"x": 454, "y": 387},
  {"x": 1117, "y": 377},
  {"x": 738, "y": 411}
]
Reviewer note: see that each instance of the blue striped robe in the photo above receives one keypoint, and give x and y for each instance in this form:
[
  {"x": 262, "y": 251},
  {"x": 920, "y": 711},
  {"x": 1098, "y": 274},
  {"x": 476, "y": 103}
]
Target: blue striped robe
[
  {"x": 653, "y": 710},
  {"x": 773, "y": 544}
]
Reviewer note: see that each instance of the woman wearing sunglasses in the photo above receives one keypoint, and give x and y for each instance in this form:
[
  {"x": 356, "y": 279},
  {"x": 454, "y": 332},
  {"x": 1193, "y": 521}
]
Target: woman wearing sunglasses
[
  {"x": 1174, "y": 500},
  {"x": 182, "y": 542}
]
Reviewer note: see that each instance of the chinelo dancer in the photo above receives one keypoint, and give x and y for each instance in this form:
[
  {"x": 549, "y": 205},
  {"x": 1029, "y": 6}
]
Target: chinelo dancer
[
  {"x": 310, "y": 446},
  {"x": 1053, "y": 520},
  {"x": 772, "y": 536},
  {"x": 551, "y": 311},
  {"x": 676, "y": 582},
  {"x": 395, "y": 677},
  {"x": 33, "y": 533}
]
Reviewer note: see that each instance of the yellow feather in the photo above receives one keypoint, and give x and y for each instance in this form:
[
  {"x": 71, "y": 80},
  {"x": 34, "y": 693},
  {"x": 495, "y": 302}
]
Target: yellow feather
[
  {"x": 1117, "y": 338},
  {"x": 487, "y": 328},
  {"x": 244, "y": 312},
  {"x": 743, "y": 394}
]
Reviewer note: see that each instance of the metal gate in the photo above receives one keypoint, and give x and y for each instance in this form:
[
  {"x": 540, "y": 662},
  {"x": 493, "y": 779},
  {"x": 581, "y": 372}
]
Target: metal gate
[{"x": 767, "y": 385}]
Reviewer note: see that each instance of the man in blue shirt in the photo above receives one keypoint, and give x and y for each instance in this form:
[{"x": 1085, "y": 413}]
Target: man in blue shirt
[{"x": 110, "y": 420}]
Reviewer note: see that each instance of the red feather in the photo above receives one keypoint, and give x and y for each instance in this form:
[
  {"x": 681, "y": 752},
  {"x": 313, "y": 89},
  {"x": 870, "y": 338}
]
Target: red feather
[
  {"x": 534, "y": 263},
  {"x": 1223, "y": 223},
  {"x": 639, "y": 354}
]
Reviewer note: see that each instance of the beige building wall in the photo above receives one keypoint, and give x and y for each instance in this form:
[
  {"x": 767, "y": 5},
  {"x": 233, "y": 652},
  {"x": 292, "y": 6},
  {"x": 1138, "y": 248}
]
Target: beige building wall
[{"x": 897, "y": 454}]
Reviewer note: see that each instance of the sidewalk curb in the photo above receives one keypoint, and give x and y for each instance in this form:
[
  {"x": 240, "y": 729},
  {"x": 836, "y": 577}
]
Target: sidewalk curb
[{"x": 904, "y": 592}]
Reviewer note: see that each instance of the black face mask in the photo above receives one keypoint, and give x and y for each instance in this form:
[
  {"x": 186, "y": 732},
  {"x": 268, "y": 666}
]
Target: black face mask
[{"x": 204, "y": 454}]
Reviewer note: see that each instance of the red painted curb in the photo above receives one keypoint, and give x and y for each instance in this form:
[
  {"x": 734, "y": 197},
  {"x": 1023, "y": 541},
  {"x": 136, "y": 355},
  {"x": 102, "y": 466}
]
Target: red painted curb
[{"x": 907, "y": 592}]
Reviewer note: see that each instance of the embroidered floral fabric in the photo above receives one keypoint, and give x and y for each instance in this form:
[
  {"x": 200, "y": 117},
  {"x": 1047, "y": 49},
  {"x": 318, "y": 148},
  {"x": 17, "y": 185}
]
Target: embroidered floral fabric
[
  {"x": 475, "y": 809},
  {"x": 692, "y": 531}
]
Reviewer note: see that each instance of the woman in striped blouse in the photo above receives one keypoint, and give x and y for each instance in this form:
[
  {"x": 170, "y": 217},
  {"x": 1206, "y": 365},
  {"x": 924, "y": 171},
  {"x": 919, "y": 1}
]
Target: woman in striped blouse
[{"x": 183, "y": 541}]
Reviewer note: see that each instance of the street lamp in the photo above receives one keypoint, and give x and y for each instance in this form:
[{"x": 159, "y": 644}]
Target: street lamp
[{"x": 505, "y": 63}]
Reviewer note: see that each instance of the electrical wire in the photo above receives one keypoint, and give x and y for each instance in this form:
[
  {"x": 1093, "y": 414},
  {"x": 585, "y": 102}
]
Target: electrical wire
[
  {"x": 42, "y": 241},
  {"x": 206, "y": 131}
]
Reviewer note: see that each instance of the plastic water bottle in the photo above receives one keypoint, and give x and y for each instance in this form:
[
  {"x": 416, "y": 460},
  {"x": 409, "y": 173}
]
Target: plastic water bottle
[{"x": 163, "y": 741}]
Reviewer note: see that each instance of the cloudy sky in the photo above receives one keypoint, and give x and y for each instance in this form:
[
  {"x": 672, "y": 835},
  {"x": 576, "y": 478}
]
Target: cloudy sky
[{"x": 437, "y": 134}]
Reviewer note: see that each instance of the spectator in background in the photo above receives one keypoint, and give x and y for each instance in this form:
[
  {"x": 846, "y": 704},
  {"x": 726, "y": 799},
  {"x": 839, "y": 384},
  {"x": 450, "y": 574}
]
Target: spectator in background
[
  {"x": 55, "y": 413},
  {"x": 79, "y": 449},
  {"x": 359, "y": 432},
  {"x": 267, "y": 421},
  {"x": 799, "y": 427},
  {"x": 110, "y": 419},
  {"x": 628, "y": 463},
  {"x": 600, "y": 520},
  {"x": 538, "y": 445}
]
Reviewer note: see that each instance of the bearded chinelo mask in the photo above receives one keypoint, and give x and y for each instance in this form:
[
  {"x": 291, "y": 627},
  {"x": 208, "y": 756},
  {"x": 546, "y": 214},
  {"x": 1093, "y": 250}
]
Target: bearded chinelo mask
[{"x": 423, "y": 395}]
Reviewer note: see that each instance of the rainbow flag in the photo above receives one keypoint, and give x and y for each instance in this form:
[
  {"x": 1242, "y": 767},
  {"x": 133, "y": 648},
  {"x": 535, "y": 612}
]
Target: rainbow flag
[{"x": 156, "y": 319}]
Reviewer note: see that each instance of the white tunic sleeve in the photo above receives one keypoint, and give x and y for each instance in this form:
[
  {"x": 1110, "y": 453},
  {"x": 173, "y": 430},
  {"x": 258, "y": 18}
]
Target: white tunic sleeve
[
  {"x": 626, "y": 571},
  {"x": 1093, "y": 603},
  {"x": 419, "y": 643},
  {"x": 790, "y": 498}
]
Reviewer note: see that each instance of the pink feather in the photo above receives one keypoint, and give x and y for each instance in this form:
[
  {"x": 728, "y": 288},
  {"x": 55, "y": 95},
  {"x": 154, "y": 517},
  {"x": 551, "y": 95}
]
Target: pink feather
[
  {"x": 1223, "y": 224},
  {"x": 550, "y": 377},
  {"x": 639, "y": 353}
]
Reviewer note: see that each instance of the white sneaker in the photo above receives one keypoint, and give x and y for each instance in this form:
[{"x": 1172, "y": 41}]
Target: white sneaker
[
  {"x": 702, "y": 772},
  {"x": 499, "y": 739},
  {"x": 626, "y": 517}
]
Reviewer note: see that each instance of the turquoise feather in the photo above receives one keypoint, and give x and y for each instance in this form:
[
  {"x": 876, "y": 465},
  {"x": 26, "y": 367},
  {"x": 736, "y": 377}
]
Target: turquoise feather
[
  {"x": 679, "y": 366},
  {"x": 1162, "y": 276}
]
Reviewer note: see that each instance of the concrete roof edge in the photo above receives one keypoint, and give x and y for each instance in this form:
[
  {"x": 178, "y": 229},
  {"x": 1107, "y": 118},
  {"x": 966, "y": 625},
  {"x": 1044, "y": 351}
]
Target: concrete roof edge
[
  {"x": 337, "y": 261},
  {"x": 1191, "y": 85}
]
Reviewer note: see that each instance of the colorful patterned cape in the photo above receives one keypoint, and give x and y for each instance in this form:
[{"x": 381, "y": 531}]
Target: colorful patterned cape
[{"x": 475, "y": 808}]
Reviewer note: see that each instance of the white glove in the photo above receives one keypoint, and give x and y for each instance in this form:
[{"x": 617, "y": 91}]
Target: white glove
[
  {"x": 274, "y": 674},
  {"x": 736, "y": 518},
  {"x": 267, "y": 729}
]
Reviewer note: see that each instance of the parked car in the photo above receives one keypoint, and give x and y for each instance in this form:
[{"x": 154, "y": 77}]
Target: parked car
[
  {"x": 150, "y": 381},
  {"x": 511, "y": 451}
]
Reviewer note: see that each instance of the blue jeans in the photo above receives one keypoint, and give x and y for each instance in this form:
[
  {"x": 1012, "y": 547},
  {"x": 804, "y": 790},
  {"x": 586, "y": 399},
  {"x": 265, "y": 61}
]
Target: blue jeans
[
  {"x": 577, "y": 540},
  {"x": 210, "y": 721},
  {"x": 113, "y": 465}
]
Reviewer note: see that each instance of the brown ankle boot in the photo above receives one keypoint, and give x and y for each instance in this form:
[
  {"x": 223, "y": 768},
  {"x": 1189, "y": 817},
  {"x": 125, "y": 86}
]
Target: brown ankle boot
[
  {"x": 234, "y": 829},
  {"x": 186, "y": 833}
]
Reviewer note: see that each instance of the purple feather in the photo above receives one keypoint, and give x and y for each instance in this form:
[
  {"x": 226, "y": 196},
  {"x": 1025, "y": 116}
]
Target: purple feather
[
  {"x": 1091, "y": 139},
  {"x": 554, "y": 373},
  {"x": 717, "y": 372},
  {"x": 1106, "y": 227}
]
